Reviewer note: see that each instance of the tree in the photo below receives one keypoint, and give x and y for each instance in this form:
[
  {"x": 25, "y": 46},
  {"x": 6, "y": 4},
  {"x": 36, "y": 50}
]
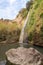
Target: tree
[{"x": 28, "y": 4}]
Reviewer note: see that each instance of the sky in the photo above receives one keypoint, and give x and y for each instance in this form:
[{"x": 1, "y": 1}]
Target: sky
[{"x": 10, "y": 8}]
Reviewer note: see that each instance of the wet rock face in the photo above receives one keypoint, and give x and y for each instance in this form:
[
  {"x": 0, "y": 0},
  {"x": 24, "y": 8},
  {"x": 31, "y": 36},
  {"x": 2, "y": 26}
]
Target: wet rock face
[{"x": 24, "y": 56}]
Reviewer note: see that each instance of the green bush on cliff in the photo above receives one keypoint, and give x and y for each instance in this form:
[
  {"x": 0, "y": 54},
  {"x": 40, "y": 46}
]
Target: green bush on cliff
[{"x": 23, "y": 12}]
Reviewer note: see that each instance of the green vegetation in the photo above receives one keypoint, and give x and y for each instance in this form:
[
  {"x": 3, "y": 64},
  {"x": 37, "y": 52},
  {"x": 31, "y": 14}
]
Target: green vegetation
[
  {"x": 35, "y": 20},
  {"x": 9, "y": 32},
  {"x": 23, "y": 12},
  {"x": 29, "y": 4}
]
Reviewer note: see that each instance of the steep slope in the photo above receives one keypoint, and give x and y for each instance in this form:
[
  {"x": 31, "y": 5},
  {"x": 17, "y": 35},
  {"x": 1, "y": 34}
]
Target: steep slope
[
  {"x": 34, "y": 27},
  {"x": 20, "y": 18}
]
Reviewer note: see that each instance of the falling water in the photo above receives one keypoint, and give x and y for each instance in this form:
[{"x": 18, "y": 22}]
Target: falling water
[{"x": 22, "y": 31}]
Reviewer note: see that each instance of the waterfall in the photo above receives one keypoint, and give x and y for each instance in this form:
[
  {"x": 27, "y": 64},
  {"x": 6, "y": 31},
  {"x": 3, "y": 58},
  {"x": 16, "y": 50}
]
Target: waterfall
[{"x": 22, "y": 31}]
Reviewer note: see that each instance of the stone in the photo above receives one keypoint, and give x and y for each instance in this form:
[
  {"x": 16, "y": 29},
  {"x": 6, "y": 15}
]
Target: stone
[
  {"x": 3, "y": 62},
  {"x": 24, "y": 56}
]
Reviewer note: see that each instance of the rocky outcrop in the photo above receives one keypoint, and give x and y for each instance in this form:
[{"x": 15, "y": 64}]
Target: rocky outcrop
[
  {"x": 20, "y": 18},
  {"x": 24, "y": 56}
]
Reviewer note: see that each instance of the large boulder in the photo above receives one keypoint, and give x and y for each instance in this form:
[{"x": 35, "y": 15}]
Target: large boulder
[{"x": 24, "y": 56}]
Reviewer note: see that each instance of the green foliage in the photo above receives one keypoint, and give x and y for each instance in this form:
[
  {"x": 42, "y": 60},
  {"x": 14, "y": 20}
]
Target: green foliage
[
  {"x": 36, "y": 6},
  {"x": 41, "y": 15},
  {"x": 9, "y": 35},
  {"x": 3, "y": 34},
  {"x": 41, "y": 32},
  {"x": 23, "y": 12},
  {"x": 29, "y": 4},
  {"x": 9, "y": 31},
  {"x": 32, "y": 19},
  {"x": 35, "y": 18},
  {"x": 30, "y": 37}
]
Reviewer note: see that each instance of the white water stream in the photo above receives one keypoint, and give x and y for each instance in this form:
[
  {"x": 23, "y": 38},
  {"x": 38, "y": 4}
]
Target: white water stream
[{"x": 22, "y": 31}]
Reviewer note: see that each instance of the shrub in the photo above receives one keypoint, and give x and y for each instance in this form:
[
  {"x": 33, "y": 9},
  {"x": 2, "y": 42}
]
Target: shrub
[{"x": 28, "y": 4}]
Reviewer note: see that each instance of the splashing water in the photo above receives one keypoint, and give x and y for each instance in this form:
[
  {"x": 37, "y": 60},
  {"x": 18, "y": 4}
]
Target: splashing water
[{"x": 22, "y": 31}]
